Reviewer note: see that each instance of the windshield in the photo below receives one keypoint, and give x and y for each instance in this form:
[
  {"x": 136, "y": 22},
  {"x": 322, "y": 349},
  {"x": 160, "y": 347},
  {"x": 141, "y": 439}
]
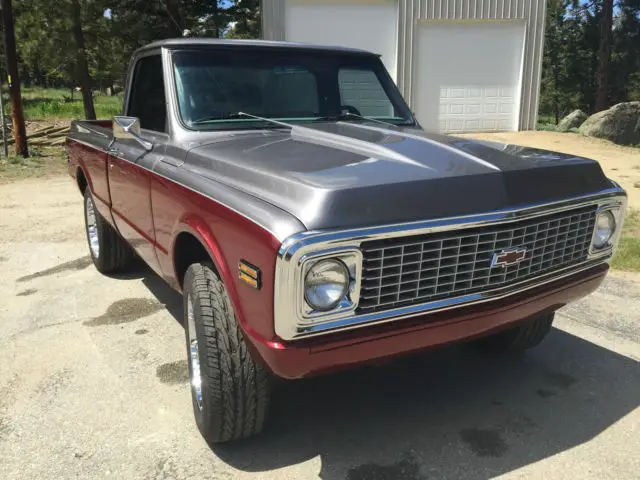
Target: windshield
[{"x": 213, "y": 87}]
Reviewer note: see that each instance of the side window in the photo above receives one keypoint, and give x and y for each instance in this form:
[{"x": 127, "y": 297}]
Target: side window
[
  {"x": 147, "y": 100},
  {"x": 362, "y": 89}
]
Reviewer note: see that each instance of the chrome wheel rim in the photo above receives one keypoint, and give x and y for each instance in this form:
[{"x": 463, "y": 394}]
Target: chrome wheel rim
[
  {"x": 92, "y": 228},
  {"x": 194, "y": 355}
]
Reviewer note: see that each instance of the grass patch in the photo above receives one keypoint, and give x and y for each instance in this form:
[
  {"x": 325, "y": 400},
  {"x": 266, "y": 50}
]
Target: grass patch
[
  {"x": 41, "y": 162},
  {"x": 547, "y": 127},
  {"x": 53, "y": 103},
  {"x": 627, "y": 256},
  {"x": 546, "y": 123}
]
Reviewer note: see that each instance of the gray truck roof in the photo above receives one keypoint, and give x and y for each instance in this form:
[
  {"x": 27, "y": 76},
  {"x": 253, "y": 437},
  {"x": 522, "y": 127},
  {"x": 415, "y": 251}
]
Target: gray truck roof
[{"x": 214, "y": 42}]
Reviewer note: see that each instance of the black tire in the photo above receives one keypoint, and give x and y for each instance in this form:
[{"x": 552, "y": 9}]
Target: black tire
[
  {"x": 235, "y": 389},
  {"x": 520, "y": 338},
  {"x": 113, "y": 254}
]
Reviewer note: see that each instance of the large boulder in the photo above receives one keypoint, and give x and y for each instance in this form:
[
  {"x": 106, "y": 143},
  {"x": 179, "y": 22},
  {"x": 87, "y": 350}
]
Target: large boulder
[
  {"x": 620, "y": 124},
  {"x": 573, "y": 120}
]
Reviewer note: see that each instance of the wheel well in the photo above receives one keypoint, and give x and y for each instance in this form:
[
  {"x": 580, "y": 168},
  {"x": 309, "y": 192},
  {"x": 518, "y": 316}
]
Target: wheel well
[
  {"x": 82, "y": 180},
  {"x": 187, "y": 251}
]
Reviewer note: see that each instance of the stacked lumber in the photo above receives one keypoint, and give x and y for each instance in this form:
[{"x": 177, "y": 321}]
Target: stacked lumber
[{"x": 48, "y": 136}]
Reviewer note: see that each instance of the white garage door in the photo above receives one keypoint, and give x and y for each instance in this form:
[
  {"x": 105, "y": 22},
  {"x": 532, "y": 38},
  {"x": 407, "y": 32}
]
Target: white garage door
[
  {"x": 366, "y": 24},
  {"x": 467, "y": 75}
]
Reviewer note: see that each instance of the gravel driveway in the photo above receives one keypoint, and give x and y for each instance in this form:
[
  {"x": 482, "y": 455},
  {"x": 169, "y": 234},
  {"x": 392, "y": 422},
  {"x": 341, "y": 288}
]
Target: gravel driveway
[{"x": 93, "y": 383}]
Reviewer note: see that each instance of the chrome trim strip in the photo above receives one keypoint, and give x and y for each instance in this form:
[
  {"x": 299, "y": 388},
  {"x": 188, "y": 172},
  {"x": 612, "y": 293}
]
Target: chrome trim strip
[
  {"x": 290, "y": 325},
  {"x": 352, "y": 258},
  {"x": 297, "y": 241},
  {"x": 618, "y": 215},
  {"x": 87, "y": 144}
]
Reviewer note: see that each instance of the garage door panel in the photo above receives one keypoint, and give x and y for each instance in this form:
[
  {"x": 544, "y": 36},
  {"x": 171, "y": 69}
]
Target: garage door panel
[
  {"x": 471, "y": 70},
  {"x": 471, "y": 109},
  {"x": 332, "y": 23},
  {"x": 506, "y": 108},
  {"x": 489, "y": 108}
]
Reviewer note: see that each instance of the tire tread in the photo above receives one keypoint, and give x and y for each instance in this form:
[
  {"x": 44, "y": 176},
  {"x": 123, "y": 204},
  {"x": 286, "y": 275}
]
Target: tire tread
[
  {"x": 238, "y": 387},
  {"x": 520, "y": 338},
  {"x": 115, "y": 253}
]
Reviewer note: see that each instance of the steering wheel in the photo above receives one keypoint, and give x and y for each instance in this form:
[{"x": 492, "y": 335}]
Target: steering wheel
[{"x": 350, "y": 109}]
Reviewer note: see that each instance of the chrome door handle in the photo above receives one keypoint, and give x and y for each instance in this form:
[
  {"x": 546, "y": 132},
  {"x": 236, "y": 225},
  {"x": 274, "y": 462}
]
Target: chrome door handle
[{"x": 116, "y": 153}]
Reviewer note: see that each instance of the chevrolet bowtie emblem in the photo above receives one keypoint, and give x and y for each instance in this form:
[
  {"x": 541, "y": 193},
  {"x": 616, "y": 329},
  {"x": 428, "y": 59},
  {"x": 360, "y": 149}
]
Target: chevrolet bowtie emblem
[{"x": 506, "y": 258}]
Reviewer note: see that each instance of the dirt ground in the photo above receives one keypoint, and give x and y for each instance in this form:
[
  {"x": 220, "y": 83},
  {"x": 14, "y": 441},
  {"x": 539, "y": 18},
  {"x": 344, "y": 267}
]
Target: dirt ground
[
  {"x": 93, "y": 382},
  {"x": 619, "y": 163}
]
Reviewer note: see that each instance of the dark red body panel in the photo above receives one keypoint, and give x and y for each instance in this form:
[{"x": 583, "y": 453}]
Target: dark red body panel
[
  {"x": 93, "y": 163},
  {"x": 229, "y": 237},
  {"x": 130, "y": 188}
]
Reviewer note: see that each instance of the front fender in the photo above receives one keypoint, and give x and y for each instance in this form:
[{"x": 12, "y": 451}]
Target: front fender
[
  {"x": 257, "y": 327},
  {"x": 228, "y": 236}
]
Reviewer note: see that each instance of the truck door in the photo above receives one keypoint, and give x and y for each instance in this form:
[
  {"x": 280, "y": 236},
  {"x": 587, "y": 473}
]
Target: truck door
[{"x": 130, "y": 165}]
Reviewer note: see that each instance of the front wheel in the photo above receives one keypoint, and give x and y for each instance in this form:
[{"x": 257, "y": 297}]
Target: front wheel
[
  {"x": 518, "y": 339},
  {"x": 230, "y": 391}
]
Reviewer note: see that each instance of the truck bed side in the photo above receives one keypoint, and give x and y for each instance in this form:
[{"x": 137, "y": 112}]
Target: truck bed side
[{"x": 87, "y": 145}]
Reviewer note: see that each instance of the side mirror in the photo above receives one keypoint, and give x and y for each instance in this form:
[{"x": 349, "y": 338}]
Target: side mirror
[{"x": 125, "y": 128}]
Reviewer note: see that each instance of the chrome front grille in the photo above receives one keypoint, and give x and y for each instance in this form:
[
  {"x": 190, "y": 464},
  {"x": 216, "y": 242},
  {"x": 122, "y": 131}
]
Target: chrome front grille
[{"x": 424, "y": 268}]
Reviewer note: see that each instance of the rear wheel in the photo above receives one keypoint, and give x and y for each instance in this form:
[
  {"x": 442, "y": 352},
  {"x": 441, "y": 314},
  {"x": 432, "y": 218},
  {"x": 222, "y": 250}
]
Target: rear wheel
[
  {"x": 230, "y": 391},
  {"x": 520, "y": 338},
  {"x": 109, "y": 252}
]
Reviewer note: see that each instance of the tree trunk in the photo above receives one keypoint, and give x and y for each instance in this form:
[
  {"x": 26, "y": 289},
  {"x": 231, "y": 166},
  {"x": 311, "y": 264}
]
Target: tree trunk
[
  {"x": 604, "y": 56},
  {"x": 175, "y": 22},
  {"x": 216, "y": 27},
  {"x": 556, "y": 95},
  {"x": 81, "y": 62},
  {"x": 17, "y": 113}
]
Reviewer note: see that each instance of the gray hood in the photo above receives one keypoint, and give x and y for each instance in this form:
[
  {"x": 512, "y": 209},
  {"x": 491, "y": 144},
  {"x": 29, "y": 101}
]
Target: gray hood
[{"x": 343, "y": 175}]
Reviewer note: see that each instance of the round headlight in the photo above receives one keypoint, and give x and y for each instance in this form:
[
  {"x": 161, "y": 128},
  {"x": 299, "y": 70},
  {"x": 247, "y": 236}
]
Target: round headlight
[
  {"x": 326, "y": 284},
  {"x": 605, "y": 226}
]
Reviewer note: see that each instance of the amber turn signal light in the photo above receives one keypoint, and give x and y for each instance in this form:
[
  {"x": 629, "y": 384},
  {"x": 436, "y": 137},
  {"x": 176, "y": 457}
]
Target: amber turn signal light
[{"x": 249, "y": 274}]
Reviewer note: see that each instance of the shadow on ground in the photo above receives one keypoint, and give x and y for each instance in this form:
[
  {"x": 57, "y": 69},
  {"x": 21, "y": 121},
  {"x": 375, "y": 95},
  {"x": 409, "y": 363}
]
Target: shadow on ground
[{"x": 450, "y": 413}]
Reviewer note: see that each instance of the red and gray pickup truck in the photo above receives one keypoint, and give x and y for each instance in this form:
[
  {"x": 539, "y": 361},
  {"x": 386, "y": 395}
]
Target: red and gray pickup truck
[{"x": 311, "y": 225}]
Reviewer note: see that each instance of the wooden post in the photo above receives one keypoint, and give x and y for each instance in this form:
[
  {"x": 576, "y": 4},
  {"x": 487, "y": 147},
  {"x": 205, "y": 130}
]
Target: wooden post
[
  {"x": 13, "y": 77},
  {"x": 5, "y": 140}
]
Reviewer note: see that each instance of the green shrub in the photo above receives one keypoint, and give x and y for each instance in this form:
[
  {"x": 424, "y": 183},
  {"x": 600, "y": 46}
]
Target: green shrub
[
  {"x": 628, "y": 255},
  {"x": 43, "y": 104}
]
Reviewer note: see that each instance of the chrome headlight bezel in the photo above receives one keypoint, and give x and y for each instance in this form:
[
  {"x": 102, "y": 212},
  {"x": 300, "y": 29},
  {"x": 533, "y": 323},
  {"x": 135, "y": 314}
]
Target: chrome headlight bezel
[
  {"x": 352, "y": 261},
  {"x": 616, "y": 211},
  {"x": 602, "y": 233}
]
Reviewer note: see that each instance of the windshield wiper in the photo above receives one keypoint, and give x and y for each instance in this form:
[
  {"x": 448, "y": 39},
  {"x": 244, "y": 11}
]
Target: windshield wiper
[
  {"x": 236, "y": 116},
  {"x": 351, "y": 116}
]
